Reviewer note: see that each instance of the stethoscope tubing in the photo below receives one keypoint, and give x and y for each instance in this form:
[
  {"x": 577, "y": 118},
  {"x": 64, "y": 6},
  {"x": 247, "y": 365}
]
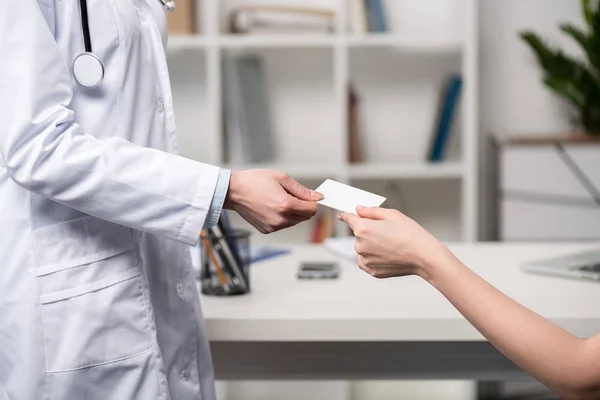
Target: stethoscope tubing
[{"x": 85, "y": 25}]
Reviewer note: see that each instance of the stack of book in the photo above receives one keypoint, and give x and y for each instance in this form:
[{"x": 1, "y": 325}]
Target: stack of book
[
  {"x": 281, "y": 18},
  {"x": 368, "y": 16},
  {"x": 248, "y": 132}
]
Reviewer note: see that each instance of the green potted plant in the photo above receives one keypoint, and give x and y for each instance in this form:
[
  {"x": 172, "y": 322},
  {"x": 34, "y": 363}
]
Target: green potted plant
[{"x": 576, "y": 80}]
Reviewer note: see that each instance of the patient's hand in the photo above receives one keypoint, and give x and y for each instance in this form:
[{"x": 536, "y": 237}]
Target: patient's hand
[{"x": 390, "y": 244}]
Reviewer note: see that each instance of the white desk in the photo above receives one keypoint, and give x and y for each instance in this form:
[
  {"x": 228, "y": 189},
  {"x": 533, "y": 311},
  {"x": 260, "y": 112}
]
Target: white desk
[{"x": 358, "y": 327}]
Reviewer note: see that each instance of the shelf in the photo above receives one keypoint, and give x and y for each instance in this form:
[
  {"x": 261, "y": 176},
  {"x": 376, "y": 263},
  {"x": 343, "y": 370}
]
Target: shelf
[
  {"x": 288, "y": 41},
  {"x": 407, "y": 171},
  {"x": 318, "y": 172},
  {"x": 431, "y": 44},
  {"x": 446, "y": 170},
  {"x": 186, "y": 42},
  {"x": 398, "y": 74}
]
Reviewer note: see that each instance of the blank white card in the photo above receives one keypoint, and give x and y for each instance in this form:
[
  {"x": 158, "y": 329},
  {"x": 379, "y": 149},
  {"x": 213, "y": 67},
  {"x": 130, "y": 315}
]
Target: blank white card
[{"x": 346, "y": 198}]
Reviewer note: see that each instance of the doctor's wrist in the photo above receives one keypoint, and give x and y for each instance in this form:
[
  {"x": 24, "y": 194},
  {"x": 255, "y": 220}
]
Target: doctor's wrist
[{"x": 233, "y": 196}]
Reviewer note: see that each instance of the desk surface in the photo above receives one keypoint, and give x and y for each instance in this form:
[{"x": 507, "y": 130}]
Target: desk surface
[{"x": 357, "y": 307}]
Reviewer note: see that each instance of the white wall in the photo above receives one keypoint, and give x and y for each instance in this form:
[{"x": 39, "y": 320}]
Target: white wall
[{"x": 513, "y": 99}]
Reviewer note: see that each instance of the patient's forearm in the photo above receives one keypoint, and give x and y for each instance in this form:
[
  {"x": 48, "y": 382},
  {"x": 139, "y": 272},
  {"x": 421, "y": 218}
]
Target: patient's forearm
[{"x": 568, "y": 365}]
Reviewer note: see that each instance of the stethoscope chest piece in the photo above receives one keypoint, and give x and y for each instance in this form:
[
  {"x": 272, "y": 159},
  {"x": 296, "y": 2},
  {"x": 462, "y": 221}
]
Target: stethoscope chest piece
[{"x": 88, "y": 70}]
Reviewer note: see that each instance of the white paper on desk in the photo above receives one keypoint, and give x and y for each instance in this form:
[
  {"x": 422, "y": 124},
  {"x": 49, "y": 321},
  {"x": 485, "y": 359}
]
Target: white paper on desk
[
  {"x": 346, "y": 198},
  {"x": 342, "y": 247}
]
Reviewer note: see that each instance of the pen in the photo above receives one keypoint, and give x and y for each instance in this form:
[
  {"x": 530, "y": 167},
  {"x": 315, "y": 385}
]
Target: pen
[
  {"x": 214, "y": 260},
  {"x": 205, "y": 274},
  {"x": 222, "y": 247},
  {"x": 229, "y": 236}
]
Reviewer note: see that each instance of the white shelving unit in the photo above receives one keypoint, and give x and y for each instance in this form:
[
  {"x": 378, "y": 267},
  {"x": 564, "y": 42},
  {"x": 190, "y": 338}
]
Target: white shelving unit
[{"x": 398, "y": 77}]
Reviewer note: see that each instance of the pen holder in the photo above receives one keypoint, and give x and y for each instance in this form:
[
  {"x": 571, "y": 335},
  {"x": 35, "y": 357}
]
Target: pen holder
[{"x": 225, "y": 263}]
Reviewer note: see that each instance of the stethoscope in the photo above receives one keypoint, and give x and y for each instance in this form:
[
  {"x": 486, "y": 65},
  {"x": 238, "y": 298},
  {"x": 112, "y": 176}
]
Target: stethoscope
[{"x": 88, "y": 69}]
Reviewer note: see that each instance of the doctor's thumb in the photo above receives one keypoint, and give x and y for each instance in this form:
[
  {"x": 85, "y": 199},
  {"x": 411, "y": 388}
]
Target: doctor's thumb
[{"x": 294, "y": 188}]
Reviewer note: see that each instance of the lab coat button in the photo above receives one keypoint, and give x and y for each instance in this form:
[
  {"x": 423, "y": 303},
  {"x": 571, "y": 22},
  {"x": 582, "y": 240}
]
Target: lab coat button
[
  {"x": 142, "y": 15},
  {"x": 161, "y": 105},
  {"x": 185, "y": 375},
  {"x": 180, "y": 288}
]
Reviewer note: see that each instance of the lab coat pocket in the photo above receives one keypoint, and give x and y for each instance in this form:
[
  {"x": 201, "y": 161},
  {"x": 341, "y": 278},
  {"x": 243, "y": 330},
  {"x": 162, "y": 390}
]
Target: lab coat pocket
[
  {"x": 94, "y": 308},
  {"x": 133, "y": 379},
  {"x": 97, "y": 324}
]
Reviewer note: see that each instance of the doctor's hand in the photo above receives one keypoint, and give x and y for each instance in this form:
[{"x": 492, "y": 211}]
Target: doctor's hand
[
  {"x": 390, "y": 244},
  {"x": 270, "y": 200}
]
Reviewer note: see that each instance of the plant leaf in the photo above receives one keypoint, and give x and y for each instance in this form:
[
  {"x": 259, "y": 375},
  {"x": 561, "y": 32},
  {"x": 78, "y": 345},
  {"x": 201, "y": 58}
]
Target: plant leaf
[
  {"x": 594, "y": 21},
  {"x": 557, "y": 63},
  {"x": 576, "y": 80},
  {"x": 565, "y": 75},
  {"x": 566, "y": 89},
  {"x": 586, "y": 6},
  {"x": 589, "y": 43}
]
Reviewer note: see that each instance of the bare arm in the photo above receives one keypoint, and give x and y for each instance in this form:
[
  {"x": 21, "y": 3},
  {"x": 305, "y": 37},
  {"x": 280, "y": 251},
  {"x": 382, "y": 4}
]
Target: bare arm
[
  {"x": 568, "y": 365},
  {"x": 390, "y": 244}
]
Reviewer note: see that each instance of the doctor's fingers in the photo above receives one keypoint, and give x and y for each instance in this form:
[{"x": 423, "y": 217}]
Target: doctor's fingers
[
  {"x": 294, "y": 188},
  {"x": 302, "y": 208},
  {"x": 291, "y": 220}
]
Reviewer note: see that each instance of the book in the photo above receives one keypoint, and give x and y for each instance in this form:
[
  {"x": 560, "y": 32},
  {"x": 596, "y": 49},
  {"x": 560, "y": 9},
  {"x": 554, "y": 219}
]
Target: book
[
  {"x": 232, "y": 110},
  {"x": 259, "y": 145},
  {"x": 446, "y": 112},
  {"x": 181, "y": 21},
  {"x": 248, "y": 121},
  {"x": 376, "y": 16},
  {"x": 358, "y": 17},
  {"x": 317, "y": 230},
  {"x": 323, "y": 227},
  {"x": 279, "y": 18},
  {"x": 355, "y": 151},
  {"x": 327, "y": 225}
]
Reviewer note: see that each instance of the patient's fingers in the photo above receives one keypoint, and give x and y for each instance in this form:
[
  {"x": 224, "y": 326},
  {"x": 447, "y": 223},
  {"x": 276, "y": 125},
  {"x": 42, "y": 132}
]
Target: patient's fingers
[
  {"x": 362, "y": 265},
  {"x": 350, "y": 219},
  {"x": 372, "y": 212}
]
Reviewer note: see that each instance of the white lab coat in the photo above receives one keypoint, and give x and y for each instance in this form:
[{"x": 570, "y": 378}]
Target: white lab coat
[{"x": 97, "y": 293}]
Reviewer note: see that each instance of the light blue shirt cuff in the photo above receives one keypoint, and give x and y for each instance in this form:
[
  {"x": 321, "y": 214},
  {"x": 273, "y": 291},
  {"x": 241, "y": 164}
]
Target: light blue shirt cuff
[{"x": 216, "y": 206}]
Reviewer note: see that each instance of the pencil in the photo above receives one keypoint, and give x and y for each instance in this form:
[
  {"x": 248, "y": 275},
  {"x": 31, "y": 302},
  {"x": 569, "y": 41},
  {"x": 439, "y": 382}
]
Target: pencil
[{"x": 214, "y": 260}]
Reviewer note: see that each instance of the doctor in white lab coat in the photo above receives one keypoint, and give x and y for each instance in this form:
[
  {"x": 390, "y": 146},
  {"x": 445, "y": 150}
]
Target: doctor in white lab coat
[{"x": 97, "y": 293}]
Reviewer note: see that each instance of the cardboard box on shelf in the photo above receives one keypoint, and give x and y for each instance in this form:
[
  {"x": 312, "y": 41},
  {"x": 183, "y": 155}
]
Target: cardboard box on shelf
[{"x": 182, "y": 21}]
